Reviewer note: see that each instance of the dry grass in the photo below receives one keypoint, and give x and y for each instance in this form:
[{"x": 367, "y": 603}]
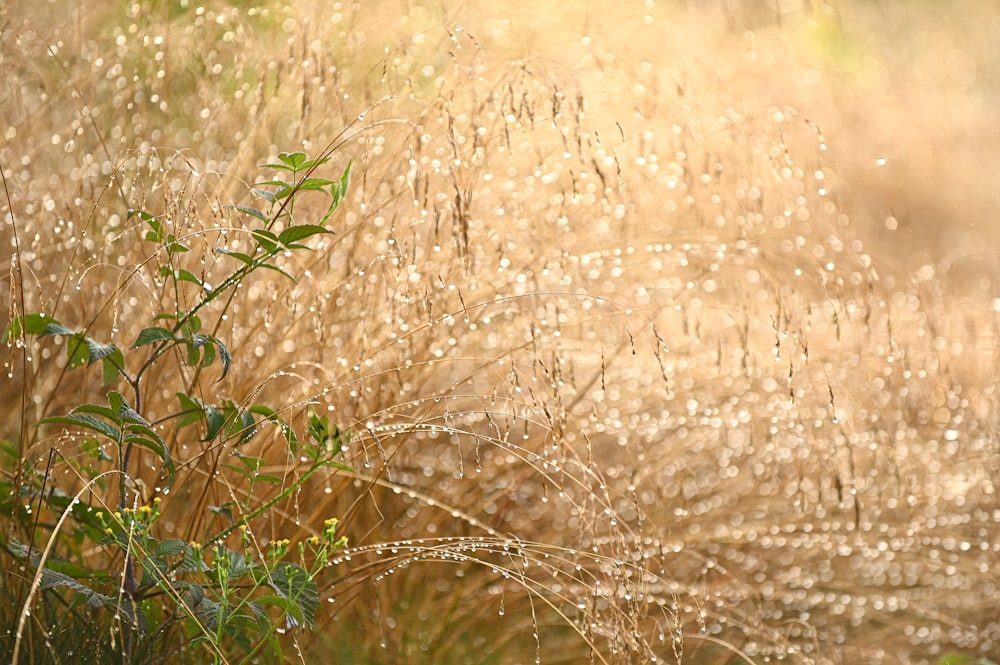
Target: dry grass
[{"x": 628, "y": 385}]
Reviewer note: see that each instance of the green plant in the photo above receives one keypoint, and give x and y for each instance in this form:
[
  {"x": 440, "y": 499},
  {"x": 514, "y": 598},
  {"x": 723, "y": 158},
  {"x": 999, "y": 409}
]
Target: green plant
[{"x": 227, "y": 584}]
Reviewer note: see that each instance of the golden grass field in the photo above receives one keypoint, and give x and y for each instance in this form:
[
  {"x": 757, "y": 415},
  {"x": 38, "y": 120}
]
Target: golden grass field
[{"x": 668, "y": 330}]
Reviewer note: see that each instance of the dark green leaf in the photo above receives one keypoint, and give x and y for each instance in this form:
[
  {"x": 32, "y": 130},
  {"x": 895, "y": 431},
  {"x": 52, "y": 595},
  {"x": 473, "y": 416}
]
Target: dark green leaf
[
  {"x": 96, "y": 351},
  {"x": 172, "y": 547},
  {"x": 113, "y": 366},
  {"x": 208, "y": 356},
  {"x": 296, "y": 585},
  {"x": 225, "y": 357},
  {"x": 103, "y": 411},
  {"x": 87, "y": 422},
  {"x": 243, "y": 425},
  {"x": 215, "y": 421},
  {"x": 56, "y": 329},
  {"x": 157, "y": 446},
  {"x": 192, "y": 410},
  {"x": 151, "y": 335}
]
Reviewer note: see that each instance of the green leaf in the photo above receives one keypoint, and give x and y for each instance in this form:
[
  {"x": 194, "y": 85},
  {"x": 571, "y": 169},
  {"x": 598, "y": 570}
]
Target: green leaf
[
  {"x": 264, "y": 194},
  {"x": 97, "y": 351},
  {"x": 293, "y": 159},
  {"x": 156, "y": 235},
  {"x": 97, "y": 409},
  {"x": 182, "y": 275},
  {"x": 157, "y": 446},
  {"x": 270, "y": 414},
  {"x": 56, "y": 328},
  {"x": 87, "y": 422},
  {"x": 277, "y": 269},
  {"x": 77, "y": 353},
  {"x": 251, "y": 463},
  {"x": 225, "y": 510},
  {"x": 267, "y": 240},
  {"x": 315, "y": 184},
  {"x": 208, "y": 355},
  {"x": 225, "y": 357},
  {"x": 295, "y": 233},
  {"x": 245, "y": 258},
  {"x": 172, "y": 547},
  {"x": 345, "y": 181},
  {"x": 241, "y": 423},
  {"x": 151, "y": 335},
  {"x": 32, "y": 324},
  {"x": 253, "y": 212},
  {"x": 192, "y": 410},
  {"x": 113, "y": 366},
  {"x": 296, "y": 585},
  {"x": 174, "y": 247},
  {"x": 215, "y": 420}
]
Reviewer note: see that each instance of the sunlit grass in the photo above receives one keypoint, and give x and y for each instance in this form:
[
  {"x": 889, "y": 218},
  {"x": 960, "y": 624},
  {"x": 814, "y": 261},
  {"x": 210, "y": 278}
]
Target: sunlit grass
[{"x": 628, "y": 379}]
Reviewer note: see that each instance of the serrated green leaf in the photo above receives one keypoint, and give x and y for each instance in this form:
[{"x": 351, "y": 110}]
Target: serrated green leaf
[
  {"x": 296, "y": 585},
  {"x": 151, "y": 335},
  {"x": 172, "y": 547},
  {"x": 117, "y": 402},
  {"x": 97, "y": 351},
  {"x": 97, "y": 409},
  {"x": 56, "y": 328},
  {"x": 87, "y": 422}
]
